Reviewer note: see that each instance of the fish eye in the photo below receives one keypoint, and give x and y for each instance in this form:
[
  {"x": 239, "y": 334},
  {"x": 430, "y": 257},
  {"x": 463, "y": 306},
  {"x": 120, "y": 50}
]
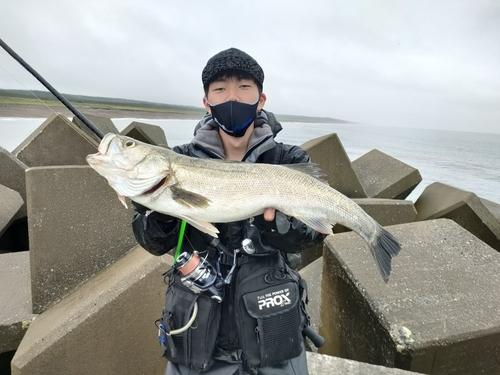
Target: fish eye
[{"x": 129, "y": 144}]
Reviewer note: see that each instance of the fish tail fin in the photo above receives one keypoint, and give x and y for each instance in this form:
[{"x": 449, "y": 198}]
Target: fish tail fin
[{"x": 384, "y": 247}]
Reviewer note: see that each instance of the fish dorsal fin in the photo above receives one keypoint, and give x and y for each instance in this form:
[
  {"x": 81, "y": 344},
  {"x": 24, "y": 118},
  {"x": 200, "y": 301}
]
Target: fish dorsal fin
[
  {"x": 188, "y": 198},
  {"x": 311, "y": 169}
]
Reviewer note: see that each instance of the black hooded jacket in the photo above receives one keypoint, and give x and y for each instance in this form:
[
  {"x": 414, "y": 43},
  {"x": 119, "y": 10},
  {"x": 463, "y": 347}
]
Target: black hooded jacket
[{"x": 158, "y": 233}]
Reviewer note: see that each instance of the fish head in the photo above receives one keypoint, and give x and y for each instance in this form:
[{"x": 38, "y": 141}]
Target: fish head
[{"x": 130, "y": 166}]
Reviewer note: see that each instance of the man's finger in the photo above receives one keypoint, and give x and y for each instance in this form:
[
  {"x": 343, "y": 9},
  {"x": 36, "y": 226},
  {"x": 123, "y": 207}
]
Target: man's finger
[{"x": 269, "y": 214}]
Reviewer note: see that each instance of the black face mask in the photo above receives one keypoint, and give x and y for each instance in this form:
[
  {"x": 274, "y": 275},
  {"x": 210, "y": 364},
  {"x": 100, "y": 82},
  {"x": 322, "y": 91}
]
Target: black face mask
[{"x": 234, "y": 117}]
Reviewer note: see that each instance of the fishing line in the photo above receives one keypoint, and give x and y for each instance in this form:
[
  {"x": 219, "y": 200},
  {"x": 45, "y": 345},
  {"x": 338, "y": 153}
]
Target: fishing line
[
  {"x": 180, "y": 240},
  {"x": 27, "y": 89},
  {"x": 75, "y": 111},
  {"x": 54, "y": 92}
]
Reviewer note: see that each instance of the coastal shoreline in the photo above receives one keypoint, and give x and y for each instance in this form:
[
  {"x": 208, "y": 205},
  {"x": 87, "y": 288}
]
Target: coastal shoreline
[
  {"x": 45, "y": 112},
  {"x": 36, "y": 111}
]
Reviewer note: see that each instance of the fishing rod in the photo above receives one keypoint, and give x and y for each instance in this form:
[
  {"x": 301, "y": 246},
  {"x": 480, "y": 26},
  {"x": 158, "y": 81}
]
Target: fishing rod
[
  {"x": 78, "y": 114},
  {"x": 49, "y": 87}
]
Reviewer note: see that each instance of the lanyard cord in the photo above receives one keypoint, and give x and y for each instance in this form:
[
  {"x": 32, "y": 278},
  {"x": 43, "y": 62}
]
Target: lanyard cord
[{"x": 180, "y": 240}]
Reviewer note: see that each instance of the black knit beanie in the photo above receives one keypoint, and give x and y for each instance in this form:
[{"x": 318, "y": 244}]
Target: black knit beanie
[{"x": 232, "y": 58}]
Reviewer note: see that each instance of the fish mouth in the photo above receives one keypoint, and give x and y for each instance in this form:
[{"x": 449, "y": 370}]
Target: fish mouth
[
  {"x": 102, "y": 150},
  {"x": 105, "y": 149},
  {"x": 104, "y": 146}
]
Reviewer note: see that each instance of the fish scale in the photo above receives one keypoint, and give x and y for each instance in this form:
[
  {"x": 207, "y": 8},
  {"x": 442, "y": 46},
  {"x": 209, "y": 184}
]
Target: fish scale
[{"x": 206, "y": 191}]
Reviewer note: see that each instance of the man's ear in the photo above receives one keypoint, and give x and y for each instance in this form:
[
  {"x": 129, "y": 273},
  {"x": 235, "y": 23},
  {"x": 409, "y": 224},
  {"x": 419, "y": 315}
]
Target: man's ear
[
  {"x": 205, "y": 104},
  {"x": 262, "y": 101}
]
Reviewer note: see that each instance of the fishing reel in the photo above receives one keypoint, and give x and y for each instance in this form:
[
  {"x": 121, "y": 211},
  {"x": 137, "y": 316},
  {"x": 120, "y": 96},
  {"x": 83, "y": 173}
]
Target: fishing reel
[{"x": 200, "y": 276}]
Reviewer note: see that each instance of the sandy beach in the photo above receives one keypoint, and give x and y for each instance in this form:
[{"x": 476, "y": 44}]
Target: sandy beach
[{"x": 41, "y": 112}]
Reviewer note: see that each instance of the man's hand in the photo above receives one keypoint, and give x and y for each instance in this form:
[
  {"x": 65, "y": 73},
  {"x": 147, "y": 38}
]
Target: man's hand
[
  {"x": 272, "y": 221},
  {"x": 269, "y": 214}
]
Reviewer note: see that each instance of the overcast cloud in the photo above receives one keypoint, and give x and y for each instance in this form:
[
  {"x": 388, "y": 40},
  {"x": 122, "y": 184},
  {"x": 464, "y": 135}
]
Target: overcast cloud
[{"x": 412, "y": 63}]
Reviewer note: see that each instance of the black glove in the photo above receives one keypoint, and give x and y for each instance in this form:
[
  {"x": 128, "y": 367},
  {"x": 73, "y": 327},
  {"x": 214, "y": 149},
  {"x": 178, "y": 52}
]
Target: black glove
[
  {"x": 280, "y": 224},
  {"x": 287, "y": 233},
  {"x": 155, "y": 232}
]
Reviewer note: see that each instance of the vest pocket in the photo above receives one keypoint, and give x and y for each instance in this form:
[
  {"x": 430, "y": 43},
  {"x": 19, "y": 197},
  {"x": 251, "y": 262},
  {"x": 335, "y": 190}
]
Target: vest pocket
[
  {"x": 269, "y": 317},
  {"x": 189, "y": 326}
]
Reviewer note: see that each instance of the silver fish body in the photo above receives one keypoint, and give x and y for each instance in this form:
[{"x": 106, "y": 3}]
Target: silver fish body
[{"x": 205, "y": 191}]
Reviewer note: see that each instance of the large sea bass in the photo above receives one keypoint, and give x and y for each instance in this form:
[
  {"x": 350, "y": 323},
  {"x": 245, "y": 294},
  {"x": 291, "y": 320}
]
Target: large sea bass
[{"x": 205, "y": 191}]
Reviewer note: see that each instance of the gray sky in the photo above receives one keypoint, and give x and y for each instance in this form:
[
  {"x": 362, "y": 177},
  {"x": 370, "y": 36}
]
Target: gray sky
[{"x": 412, "y": 63}]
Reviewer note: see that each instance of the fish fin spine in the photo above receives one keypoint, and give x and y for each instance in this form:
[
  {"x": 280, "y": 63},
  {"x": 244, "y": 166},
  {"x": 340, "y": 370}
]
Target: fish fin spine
[{"x": 202, "y": 226}]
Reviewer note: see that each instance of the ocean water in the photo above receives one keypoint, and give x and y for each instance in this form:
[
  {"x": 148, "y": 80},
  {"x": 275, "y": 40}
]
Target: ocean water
[{"x": 466, "y": 160}]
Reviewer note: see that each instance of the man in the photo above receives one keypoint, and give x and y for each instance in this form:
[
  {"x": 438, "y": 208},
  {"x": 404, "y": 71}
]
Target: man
[{"x": 235, "y": 128}]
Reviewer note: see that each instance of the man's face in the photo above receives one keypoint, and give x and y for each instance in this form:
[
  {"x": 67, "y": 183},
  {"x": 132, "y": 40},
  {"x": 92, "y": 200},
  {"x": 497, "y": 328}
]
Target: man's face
[{"x": 226, "y": 89}]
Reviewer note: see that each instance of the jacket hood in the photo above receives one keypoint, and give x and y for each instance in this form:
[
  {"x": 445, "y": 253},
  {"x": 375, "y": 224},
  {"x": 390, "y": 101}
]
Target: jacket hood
[{"x": 207, "y": 138}]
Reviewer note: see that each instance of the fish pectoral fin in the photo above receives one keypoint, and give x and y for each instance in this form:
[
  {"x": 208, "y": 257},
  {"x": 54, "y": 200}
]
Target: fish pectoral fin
[
  {"x": 319, "y": 224},
  {"x": 195, "y": 200},
  {"x": 188, "y": 198},
  {"x": 202, "y": 226}
]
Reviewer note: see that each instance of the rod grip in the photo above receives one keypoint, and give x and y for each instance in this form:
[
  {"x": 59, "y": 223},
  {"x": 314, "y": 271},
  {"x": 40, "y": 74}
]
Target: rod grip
[{"x": 312, "y": 335}]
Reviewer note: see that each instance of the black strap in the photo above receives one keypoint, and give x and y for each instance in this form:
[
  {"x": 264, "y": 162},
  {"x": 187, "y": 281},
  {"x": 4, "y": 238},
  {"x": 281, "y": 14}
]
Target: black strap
[{"x": 227, "y": 260}]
